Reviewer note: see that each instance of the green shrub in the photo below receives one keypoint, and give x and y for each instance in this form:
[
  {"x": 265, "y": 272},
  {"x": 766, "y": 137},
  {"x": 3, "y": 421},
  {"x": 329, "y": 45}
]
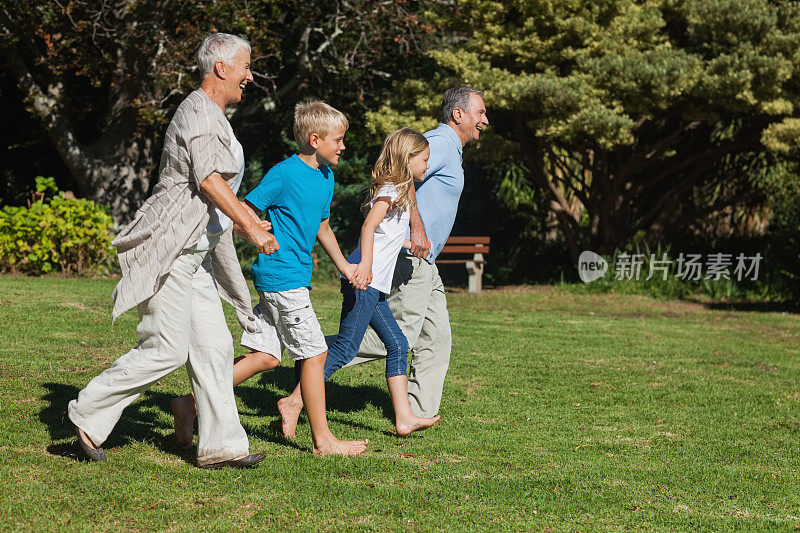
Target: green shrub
[{"x": 59, "y": 232}]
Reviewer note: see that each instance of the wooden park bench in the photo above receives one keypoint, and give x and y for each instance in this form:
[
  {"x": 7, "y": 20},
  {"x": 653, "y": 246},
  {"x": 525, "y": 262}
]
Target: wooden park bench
[{"x": 475, "y": 247}]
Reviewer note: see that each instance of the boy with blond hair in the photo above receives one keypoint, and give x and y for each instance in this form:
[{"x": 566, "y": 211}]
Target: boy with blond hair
[{"x": 296, "y": 194}]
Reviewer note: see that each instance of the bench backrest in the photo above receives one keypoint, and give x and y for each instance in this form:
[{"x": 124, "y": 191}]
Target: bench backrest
[{"x": 465, "y": 245}]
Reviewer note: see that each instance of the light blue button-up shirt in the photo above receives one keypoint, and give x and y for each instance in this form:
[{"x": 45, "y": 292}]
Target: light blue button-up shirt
[{"x": 438, "y": 195}]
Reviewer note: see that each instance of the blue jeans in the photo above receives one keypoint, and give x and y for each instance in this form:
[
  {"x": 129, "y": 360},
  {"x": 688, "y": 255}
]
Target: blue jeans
[{"x": 359, "y": 310}]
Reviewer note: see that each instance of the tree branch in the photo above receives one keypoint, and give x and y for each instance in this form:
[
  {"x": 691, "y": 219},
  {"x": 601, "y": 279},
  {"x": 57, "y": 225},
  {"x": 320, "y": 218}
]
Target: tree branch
[
  {"x": 644, "y": 157},
  {"x": 75, "y": 155}
]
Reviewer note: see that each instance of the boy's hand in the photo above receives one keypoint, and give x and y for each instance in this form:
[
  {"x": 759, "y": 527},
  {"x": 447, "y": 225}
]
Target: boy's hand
[
  {"x": 239, "y": 231},
  {"x": 349, "y": 272}
]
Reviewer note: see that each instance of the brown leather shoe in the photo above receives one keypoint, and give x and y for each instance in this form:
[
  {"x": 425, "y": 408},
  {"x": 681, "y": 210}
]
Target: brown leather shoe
[{"x": 248, "y": 461}]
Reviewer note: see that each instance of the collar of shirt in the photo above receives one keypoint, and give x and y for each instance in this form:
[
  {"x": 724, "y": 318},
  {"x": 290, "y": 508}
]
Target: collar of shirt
[{"x": 451, "y": 134}]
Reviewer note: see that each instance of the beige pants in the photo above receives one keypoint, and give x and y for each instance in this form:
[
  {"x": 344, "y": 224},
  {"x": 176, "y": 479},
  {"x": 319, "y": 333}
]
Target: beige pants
[
  {"x": 182, "y": 324},
  {"x": 418, "y": 303}
]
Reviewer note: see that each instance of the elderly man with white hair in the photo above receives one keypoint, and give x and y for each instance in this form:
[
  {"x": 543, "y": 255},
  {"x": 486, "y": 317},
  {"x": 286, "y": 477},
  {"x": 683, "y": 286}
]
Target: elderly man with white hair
[{"x": 178, "y": 259}]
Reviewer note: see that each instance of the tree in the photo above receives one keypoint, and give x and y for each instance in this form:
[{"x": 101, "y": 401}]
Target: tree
[
  {"x": 104, "y": 78},
  {"x": 633, "y": 120}
]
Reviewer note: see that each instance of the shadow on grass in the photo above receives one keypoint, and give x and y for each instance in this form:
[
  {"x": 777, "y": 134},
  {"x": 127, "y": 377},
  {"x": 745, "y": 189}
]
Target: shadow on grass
[
  {"x": 138, "y": 423},
  {"x": 257, "y": 395},
  {"x": 762, "y": 307},
  {"x": 142, "y": 423}
]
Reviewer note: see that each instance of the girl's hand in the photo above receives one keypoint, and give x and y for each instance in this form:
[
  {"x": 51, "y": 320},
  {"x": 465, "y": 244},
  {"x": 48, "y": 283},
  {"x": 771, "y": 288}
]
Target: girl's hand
[
  {"x": 362, "y": 276},
  {"x": 407, "y": 244},
  {"x": 350, "y": 272}
]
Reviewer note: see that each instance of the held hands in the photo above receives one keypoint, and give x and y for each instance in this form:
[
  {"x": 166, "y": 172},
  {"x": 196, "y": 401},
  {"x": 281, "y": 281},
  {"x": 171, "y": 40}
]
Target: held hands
[
  {"x": 257, "y": 234},
  {"x": 420, "y": 245},
  {"x": 359, "y": 276},
  {"x": 239, "y": 231},
  {"x": 363, "y": 275}
]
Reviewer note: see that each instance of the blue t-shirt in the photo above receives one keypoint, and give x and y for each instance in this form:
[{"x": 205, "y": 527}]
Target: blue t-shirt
[
  {"x": 297, "y": 198},
  {"x": 438, "y": 195}
]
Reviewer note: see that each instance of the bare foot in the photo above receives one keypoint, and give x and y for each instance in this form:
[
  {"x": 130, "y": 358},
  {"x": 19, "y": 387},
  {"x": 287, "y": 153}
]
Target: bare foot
[
  {"x": 415, "y": 423},
  {"x": 184, "y": 411},
  {"x": 290, "y": 412},
  {"x": 341, "y": 447}
]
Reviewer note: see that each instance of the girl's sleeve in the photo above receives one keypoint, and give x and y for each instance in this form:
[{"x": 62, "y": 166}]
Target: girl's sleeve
[{"x": 386, "y": 190}]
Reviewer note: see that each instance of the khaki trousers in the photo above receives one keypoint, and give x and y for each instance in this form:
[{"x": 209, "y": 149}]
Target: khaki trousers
[
  {"x": 418, "y": 303},
  {"x": 182, "y": 324}
]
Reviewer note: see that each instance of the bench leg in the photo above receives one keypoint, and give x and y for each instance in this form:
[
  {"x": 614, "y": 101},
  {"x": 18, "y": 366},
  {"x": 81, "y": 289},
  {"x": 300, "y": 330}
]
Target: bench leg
[{"x": 475, "y": 271}]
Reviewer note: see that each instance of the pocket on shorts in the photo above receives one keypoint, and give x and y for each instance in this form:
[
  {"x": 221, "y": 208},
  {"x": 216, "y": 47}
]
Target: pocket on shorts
[
  {"x": 300, "y": 325},
  {"x": 297, "y": 317},
  {"x": 303, "y": 336}
]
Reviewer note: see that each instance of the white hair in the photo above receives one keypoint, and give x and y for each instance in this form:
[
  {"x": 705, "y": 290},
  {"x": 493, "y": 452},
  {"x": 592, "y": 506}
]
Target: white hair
[{"x": 218, "y": 47}]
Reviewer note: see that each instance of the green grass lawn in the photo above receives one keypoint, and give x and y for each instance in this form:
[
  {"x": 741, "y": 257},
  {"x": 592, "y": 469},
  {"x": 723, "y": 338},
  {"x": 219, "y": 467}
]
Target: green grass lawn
[{"x": 562, "y": 411}]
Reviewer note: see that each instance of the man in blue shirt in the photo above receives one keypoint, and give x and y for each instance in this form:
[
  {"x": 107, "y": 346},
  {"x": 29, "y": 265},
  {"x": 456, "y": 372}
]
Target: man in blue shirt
[{"x": 418, "y": 299}]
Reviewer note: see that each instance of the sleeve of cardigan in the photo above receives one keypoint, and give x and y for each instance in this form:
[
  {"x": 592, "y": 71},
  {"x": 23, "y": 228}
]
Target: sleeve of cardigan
[{"x": 210, "y": 154}]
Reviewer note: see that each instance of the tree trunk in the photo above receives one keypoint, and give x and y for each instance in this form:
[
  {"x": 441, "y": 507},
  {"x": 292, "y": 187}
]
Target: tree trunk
[{"x": 116, "y": 170}]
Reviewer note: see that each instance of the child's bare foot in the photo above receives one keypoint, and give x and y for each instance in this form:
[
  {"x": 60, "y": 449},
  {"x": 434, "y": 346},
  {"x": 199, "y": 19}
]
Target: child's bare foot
[
  {"x": 290, "y": 410},
  {"x": 341, "y": 447},
  {"x": 415, "y": 423},
  {"x": 184, "y": 411}
]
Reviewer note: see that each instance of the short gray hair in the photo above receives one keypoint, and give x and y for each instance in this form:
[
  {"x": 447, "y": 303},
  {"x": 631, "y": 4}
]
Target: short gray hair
[
  {"x": 218, "y": 47},
  {"x": 457, "y": 97}
]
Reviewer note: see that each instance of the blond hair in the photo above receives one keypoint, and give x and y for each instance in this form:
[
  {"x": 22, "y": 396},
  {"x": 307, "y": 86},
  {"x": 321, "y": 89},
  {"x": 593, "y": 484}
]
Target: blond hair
[
  {"x": 391, "y": 168},
  {"x": 315, "y": 116}
]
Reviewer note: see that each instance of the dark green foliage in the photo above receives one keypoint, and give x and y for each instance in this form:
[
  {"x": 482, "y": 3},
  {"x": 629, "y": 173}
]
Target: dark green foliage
[
  {"x": 612, "y": 123},
  {"x": 103, "y": 79},
  {"x": 624, "y": 121}
]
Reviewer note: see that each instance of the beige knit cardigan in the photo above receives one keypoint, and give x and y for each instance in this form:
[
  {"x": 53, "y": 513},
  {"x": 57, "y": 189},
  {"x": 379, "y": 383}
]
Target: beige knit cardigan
[{"x": 196, "y": 145}]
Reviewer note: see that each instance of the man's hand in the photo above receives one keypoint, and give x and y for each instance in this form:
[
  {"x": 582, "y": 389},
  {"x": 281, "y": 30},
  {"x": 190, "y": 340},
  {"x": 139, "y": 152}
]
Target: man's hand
[
  {"x": 264, "y": 241},
  {"x": 420, "y": 245}
]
